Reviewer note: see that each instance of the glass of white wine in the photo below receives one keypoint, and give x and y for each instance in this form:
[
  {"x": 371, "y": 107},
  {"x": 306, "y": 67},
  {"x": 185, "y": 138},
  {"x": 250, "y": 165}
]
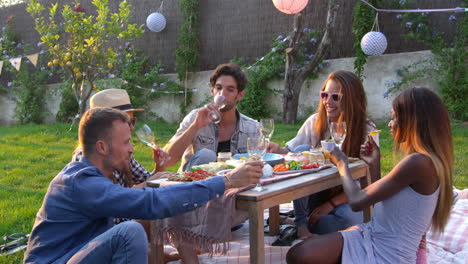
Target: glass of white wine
[
  {"x": 146, "y": 135},
  {"x": 338, "y": 132},
  {"x": 219, "y": 103},
  {"x": 257, "y": 149},
  {"x": 267, "y": 128}
]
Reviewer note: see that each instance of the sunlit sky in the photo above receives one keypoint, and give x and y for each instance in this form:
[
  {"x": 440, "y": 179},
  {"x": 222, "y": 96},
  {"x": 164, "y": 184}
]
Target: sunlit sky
[{"x": 4, "y": 3}]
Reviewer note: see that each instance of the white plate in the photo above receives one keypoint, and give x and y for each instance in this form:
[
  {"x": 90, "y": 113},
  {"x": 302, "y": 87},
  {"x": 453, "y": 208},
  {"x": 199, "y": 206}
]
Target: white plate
[{"x": 270, "y": 158}]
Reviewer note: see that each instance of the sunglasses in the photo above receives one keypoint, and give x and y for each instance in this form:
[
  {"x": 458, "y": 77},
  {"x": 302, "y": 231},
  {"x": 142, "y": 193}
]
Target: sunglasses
[
  {"x": 335, "y": 96},
  {"x": 133, "y": 121}
]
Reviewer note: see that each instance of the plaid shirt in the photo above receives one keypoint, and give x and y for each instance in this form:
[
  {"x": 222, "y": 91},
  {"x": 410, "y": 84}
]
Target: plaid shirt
[{"x": 139, "y": 174}]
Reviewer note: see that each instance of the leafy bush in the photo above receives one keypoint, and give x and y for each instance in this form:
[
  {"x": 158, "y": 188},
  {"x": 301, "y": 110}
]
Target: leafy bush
[
  {"x": 28, "y": 84},
  {"x": 270, "y": 67},
  {"x": 448, "y": 67},
  {"x": 143, "y": 83}
]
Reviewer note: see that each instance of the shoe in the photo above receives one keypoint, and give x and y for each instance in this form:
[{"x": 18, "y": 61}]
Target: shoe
[
  {"x": 286, "y": 237},
  {"x": 288, "y": 214},
  {"x": 237, "y": 227},
  {"x": 284, "y": 220}
]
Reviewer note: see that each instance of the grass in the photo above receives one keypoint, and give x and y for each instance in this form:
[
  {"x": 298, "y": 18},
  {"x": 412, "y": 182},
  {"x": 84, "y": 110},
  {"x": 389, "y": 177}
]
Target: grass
[{"x": 31, "y": 155}]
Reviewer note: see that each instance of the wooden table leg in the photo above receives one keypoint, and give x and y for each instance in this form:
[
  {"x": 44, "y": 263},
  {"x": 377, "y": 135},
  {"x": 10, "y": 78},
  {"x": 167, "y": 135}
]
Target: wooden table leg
[
  {"x": 257, "y": 242},
  {"x": 157, "y": 251},
  {"x": 366, "y": 181},
  {"x": 274, "y": 220}
]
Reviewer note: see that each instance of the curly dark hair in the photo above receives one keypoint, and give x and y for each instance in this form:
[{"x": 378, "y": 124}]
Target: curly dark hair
[{"x": 230, "y": 69}]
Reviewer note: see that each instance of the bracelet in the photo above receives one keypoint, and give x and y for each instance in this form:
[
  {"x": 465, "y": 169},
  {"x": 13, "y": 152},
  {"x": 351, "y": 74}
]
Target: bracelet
[
  {"x": 332, "y": 203},
  {"x": 229, "y": 181}
]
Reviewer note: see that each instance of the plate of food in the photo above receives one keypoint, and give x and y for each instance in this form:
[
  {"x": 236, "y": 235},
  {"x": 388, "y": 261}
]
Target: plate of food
[
  {"x": 270, "y": 158},
  {"x": 295, "y": 166},
  {"x": 194, "y": 175},
  {"x": 213, "y": 167}
]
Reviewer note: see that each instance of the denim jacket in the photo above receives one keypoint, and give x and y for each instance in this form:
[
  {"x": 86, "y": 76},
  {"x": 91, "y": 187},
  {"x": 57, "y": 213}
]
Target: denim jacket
[
  {"x": 81, "y": 203},
  {"x": 207, "y": 137}
]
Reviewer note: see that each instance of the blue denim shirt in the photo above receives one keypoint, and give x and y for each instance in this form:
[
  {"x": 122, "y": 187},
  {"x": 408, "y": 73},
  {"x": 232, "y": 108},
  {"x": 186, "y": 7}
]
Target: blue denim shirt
[{"x": 81, "y": 203}]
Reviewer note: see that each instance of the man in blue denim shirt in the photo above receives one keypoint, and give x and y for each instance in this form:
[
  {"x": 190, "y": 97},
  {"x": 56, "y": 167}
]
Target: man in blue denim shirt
[
  {"x": 74, "y": 223},
  {"x": 199, "y": 139}
]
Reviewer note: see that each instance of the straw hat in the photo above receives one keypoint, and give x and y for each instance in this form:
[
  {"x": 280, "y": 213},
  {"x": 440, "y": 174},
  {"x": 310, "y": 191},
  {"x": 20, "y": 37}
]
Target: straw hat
[{"x": 114, "y": 98}]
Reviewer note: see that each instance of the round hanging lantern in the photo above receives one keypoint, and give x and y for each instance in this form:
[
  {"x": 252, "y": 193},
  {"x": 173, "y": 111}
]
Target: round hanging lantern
[
  {"x": 374, "y": 43},
  {"x": 290, "y": 6},
  {"x": 156, "y": 22}
]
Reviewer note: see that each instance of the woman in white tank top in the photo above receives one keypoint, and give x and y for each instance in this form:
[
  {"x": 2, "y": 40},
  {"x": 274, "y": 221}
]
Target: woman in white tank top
[{"x": 414, "y": 196}]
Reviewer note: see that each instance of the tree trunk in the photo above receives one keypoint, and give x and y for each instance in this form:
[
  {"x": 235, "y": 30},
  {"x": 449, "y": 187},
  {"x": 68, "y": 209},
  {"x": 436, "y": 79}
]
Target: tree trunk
[
  {"x": 294, "y": 74},
  {"x": 82, "y": 94},
  {"x": 291, "y": 98}
]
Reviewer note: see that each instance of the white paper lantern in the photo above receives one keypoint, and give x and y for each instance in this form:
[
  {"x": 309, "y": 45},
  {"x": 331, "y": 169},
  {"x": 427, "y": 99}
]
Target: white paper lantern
[
  {"x": 374, "y": 43},
  {"x": 156, "y": 22},
  {"x": 290, "y": 6}
]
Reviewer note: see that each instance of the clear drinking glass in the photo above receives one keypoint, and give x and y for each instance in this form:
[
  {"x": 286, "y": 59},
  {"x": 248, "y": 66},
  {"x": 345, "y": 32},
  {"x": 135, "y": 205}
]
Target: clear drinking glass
[
  {"x": 146, "y": 135},
  {"x": 257, "y": 149},
  {"x": 338, "y": 132},
  {"x": 219, "y": 103},
  {"x": 316, "y": 155},
  {"x": 267, "y": 128}
]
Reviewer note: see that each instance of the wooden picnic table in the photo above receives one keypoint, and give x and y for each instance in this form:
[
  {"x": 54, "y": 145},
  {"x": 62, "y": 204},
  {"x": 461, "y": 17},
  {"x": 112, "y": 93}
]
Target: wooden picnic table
[
  {"x": 277, "y": 193},
  {"x": 284, "y": 191}
]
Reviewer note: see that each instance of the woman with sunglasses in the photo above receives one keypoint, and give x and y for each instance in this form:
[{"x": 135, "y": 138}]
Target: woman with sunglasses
[
  {"x": 342, "y": 99},
  {"x": 416, "y": 194}
]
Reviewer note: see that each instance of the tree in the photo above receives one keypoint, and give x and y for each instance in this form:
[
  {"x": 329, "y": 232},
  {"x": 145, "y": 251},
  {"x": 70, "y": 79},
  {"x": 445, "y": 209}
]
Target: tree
[
  {"x": 295, "y": 73},
  {"x": 83, "y": 45}
]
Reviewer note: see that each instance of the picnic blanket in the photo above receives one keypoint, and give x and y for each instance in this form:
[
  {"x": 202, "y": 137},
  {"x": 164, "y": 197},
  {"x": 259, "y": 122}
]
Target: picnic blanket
[
  {"x": 238, "y": 252},
  {"x": 452, "y": 245}
]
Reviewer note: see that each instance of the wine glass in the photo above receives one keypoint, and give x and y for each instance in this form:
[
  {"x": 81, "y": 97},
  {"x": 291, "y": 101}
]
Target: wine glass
[
  {"x": 338, "y": 132},
  {"x": 267, "y": 128},
  {"x": 257, "y": 149},
  {"x": 219, "y": 103},
  {"x": 146, "y": 135}
]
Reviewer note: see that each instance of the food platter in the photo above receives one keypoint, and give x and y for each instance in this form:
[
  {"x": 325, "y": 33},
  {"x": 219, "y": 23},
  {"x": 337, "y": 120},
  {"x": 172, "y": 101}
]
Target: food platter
[
  {"x": 195, "y": 175},
  {"x": 295, "y": 171},
  {"x": 294, "y": 166}
]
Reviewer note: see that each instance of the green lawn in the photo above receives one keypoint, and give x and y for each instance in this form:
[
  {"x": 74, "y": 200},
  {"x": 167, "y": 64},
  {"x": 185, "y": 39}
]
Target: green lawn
[{"x": 31, "y": 155}]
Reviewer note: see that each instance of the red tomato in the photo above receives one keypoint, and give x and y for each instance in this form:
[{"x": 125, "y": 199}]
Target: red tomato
[{"x": 310, "y": 166}]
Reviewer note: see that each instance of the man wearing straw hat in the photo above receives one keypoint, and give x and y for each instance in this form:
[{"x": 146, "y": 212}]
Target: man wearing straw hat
[{"x": 135, "y": 174}]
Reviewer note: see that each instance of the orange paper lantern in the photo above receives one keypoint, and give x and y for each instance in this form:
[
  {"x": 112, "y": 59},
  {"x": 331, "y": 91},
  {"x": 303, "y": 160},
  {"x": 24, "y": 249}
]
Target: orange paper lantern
[{"x": 290, "y": 6}]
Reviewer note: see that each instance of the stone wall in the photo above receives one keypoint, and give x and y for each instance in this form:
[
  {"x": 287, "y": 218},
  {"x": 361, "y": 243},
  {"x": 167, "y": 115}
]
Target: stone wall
[{"x": 378, "y": 71}]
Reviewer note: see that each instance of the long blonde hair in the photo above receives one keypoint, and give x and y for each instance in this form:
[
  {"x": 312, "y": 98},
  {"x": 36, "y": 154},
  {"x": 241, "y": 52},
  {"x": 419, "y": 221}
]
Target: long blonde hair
[
  {"x": 353, "y": 111},
  {"x": 423, "y": 126}
]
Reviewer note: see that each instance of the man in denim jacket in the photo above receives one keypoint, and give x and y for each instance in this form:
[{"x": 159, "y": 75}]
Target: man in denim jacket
[
  {"x": 199, "y": 139},
  {"x": 75, "y": 221}
]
